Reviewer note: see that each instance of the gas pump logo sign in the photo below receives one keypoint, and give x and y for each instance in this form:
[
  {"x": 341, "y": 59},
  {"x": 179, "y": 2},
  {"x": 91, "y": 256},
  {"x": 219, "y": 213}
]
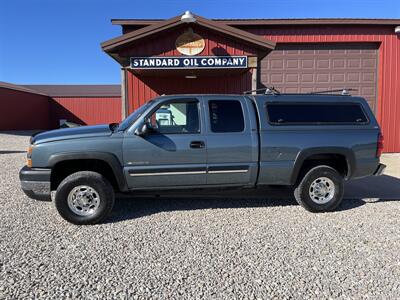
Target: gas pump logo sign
[{"x": 190, "y": 43}]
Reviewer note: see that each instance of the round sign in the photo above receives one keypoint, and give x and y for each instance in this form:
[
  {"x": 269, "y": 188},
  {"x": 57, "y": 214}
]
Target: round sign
[{"x": 190, "y": 43}]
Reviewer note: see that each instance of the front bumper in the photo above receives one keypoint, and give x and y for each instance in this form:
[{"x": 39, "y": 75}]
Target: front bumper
[
  {"x": 35, "y": 183},
  {"x": 380, "y": 169}
]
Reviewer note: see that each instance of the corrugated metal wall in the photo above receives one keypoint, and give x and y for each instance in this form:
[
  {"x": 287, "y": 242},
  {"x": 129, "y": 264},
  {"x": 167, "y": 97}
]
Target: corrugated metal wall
[
  {"x": 85, "y": 110},
  {"x": 388, "y": 109},
  {"x": 142, "y": 89},
  {"x": 23, "y": 111}
]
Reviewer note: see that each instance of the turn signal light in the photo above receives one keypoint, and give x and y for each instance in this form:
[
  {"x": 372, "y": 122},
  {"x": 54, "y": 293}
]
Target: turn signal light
[
  {"x": 29, "y": 163},
  {"x": 379, "y": 147},
  {"x": 28, "y": 156}
]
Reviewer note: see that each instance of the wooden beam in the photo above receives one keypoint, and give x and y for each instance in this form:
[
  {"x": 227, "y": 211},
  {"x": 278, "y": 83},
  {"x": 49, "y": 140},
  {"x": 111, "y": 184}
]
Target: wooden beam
[
  {"x": 254, "y": 75},
  {"x": 124, "y": 98}
]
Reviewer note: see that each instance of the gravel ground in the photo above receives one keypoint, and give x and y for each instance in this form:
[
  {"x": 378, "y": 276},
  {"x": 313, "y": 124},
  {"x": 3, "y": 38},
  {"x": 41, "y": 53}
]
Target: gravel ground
[{"x": 215, "y": 248}]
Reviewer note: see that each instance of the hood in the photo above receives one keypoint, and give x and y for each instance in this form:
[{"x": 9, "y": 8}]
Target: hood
[{"x": 71, "y": 133}]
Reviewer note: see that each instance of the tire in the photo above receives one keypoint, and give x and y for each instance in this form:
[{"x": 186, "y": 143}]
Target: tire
[
  {"x": 320, "y": 190},
  {"x": 84, "y": 198}
]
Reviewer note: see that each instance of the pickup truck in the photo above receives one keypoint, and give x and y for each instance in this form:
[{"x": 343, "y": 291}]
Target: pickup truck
[{"x": 312, "y": 142}]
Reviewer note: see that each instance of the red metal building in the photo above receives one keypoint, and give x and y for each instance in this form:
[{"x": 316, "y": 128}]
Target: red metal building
[
  {"x": 44, "y": 106},
  {"x": 23, "y": 108},
  {"x": 298, "y": 55},
  {"x": 82, "y": 104}
]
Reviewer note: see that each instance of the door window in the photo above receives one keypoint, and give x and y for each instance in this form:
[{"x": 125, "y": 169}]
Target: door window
[
  {"x": 175, "y": 118},
  {"x": 226, "y": 116}
]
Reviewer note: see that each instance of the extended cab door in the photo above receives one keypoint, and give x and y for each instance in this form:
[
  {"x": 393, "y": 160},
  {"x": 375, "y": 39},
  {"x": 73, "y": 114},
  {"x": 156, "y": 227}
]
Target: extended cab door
[
  {"x": 173, "y": 153},
  {"x": 232, "y": 140}
]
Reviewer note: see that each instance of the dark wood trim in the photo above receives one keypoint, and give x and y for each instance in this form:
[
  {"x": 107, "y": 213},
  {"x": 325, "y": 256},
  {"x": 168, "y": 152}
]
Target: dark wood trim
[
  {"x": 235, "y": 33},
  {"x": 124, "y": 95}
]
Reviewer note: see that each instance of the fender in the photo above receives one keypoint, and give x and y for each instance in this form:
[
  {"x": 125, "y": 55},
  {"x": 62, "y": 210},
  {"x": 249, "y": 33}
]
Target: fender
[
  {"x": 109, "y": 158},
  {"x": 306, "y": 153}
]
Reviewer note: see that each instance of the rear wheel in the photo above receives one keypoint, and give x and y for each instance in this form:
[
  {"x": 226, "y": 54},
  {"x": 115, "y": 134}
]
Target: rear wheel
[
  {"x": 320, "y": 190},
  {"x": 84, "y": 198}
]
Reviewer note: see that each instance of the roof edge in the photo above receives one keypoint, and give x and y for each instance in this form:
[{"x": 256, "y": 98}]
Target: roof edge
[
  {"x": 20, "y": 88},
  {"x": 254, "y": 22},
  {"x": 77, "y": 90},
  {"x": 117, "y": 41},
  {"x": 132, "y": 36}
]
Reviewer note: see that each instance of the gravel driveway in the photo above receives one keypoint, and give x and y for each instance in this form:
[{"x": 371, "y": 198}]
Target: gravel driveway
[{"x": 247, "y": 247}]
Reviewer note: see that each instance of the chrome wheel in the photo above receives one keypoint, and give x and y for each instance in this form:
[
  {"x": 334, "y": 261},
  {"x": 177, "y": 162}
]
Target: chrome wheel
[
  {"x": 322, "y": 190},
  {"x": 83, "y": 200}
]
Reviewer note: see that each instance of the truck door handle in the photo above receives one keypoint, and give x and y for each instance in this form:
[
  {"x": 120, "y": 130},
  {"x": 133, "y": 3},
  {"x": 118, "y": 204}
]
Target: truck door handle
[{"x": 197, "y": 144}]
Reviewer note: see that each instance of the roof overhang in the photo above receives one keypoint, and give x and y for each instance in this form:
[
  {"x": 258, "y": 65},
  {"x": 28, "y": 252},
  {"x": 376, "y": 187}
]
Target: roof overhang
[
  {"x": 129, "y": 39},
  {"x": 261, "y": 22}
]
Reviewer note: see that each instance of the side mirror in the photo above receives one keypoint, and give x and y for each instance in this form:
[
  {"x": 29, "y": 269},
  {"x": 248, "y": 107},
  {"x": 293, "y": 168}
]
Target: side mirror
[{"x": 142, "y": 130}]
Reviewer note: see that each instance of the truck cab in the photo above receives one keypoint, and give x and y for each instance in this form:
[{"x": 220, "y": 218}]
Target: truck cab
[{"x": 212, "y": 141}]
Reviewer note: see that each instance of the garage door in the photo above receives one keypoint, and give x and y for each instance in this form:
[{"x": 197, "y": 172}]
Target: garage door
[{"x": 302, "y": 68}]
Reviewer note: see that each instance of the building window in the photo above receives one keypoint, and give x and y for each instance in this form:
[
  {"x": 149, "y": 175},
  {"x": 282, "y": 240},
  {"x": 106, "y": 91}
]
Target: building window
[
  {"x": 176, "y": 117},
  {"x": 316, "y": 113},
  {"x": 226, "y": 116}
]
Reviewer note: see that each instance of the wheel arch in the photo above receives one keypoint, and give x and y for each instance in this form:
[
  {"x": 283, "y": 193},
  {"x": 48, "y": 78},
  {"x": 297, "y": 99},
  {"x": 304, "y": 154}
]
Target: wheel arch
[
  {"x": 323, "y": 154},
  {"x": 108, "y": 159}
]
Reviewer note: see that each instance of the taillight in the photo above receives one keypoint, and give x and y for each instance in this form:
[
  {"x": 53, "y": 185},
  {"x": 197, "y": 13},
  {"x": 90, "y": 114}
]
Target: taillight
[{"x": 379, "y": 147}]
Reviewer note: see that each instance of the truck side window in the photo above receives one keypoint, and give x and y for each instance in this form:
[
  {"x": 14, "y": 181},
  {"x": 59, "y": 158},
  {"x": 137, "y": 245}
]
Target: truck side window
[
  {"x": 176, "y": 117},
  {"x": 316, "y": 113},
  {"x": 226, "y": 116}
]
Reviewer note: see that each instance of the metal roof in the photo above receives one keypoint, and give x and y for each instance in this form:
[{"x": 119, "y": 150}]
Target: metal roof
[
  {"x": 66, "y": 90},
  {"x": 250, "y": 22},
  {"x": 82, "y": 90},
  {"x": 20, "y": 88}
]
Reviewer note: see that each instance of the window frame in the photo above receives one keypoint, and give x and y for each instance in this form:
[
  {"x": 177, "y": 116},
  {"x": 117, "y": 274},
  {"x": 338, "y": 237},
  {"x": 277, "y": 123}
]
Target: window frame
[
  {"x": 225, "y": 100},
  {"x": 178, "y": 100},
  {"x": 316, "y": 123}
]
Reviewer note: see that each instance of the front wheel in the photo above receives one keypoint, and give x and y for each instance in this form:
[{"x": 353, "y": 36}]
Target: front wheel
[
  {"x": 84, "y": 198},
  {"x": 320, "y": 190}
]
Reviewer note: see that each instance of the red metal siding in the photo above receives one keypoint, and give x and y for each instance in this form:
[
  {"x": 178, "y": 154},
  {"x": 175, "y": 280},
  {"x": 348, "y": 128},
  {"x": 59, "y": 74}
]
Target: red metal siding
[
  {"x": 164, "y": 45},
  {"x": 142, "y": 89},
  {"x": 86, "y": 111},
  {"x": 388, "y": 108},
  {"x": 22, "y": 111}
]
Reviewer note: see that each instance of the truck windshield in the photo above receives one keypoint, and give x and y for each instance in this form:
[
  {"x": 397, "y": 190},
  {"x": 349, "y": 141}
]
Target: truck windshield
[{"x": 134, "y": 116}]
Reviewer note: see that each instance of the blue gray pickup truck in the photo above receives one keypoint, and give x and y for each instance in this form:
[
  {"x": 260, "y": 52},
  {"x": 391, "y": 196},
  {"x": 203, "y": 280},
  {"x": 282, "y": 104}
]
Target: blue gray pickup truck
[{"x": 312, "y": 142}]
